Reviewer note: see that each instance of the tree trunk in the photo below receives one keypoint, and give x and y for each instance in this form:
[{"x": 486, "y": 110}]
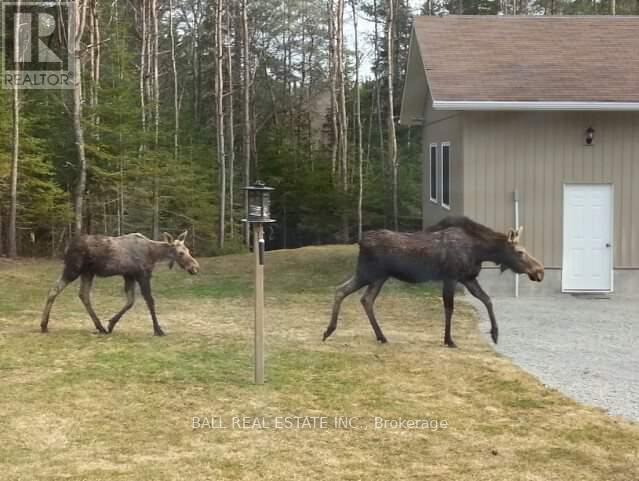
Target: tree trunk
[
  {"x": 392, "y": 141},
  {"x": 176, "y": 106},
  {"x": 246, "y": 109},
  {"x": 219, "y": 97},
  {"x": 378, "y": 101},
  {"x": 13, "y": 208},
  {"x": 342, "y": 124},
  {"x": 332, "y": 33},
  {"x": 156, "y": 120},
  {"x": 94, "y": 78},
  {"x": 142, "y": 80},
  {"x": 358, "y": 124},
  {"x": 77, "y": 118},
  {"x": 231, "y": 129}
]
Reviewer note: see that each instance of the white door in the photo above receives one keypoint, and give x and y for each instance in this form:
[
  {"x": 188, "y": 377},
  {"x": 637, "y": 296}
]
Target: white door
[{"x": 587, "y": 252}]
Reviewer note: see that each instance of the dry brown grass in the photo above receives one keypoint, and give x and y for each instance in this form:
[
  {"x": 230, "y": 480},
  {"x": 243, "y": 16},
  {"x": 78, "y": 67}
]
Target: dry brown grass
[{"x": 78, "y": 406}]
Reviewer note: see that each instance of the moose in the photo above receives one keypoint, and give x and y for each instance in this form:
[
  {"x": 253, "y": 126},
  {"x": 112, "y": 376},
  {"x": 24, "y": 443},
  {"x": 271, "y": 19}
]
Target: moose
[
  {"x": 132, "y": 256},
  {"x": 451, "y": 251}
]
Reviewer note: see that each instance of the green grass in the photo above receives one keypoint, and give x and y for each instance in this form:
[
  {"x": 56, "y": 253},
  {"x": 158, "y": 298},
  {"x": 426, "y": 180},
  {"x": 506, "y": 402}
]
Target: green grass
[{"x": 78, "y": 406}]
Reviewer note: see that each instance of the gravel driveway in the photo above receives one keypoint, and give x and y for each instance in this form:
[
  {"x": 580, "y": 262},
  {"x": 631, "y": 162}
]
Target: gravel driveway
[{"x": 587, "y": 346}]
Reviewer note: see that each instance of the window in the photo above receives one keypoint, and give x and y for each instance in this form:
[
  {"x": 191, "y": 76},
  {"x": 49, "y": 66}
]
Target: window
[
  {"x": 433, "y": 173},
  {"x": 445, "y": 175}
]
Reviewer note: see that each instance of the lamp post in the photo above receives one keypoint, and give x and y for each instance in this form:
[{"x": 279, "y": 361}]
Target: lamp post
[{"x": 259, "y": 213}]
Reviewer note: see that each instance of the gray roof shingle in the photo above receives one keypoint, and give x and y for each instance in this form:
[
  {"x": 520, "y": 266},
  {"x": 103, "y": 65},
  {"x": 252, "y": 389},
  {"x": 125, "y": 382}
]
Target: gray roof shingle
[{"x": 526, "y": 58}]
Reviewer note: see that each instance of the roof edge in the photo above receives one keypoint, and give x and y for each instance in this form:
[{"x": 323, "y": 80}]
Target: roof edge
[{"x": 532, "y": 105}]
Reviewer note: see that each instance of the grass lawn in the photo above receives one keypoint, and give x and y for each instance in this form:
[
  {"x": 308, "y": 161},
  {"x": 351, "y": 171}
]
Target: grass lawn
[{"x": 78, "y": 406}]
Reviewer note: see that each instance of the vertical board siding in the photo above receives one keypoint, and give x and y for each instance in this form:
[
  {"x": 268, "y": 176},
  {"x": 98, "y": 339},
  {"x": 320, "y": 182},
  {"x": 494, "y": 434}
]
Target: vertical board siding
[
  {"x": 537, "y": 153},
  {"x": 634, "y": 200}
]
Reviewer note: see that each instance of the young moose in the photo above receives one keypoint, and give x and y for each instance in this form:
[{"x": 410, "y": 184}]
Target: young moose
[
  {"x": 451, "y": 251},
  {"x": 131, "y": 256}
]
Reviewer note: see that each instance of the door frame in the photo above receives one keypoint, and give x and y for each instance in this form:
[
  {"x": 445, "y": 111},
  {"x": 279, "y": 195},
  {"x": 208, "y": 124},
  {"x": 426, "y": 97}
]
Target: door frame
[{"x": 563, "y": 236}]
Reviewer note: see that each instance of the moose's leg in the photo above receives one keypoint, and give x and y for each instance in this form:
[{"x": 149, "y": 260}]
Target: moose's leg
[
  {"x": 368, "y": 300},
  {"x": 448, "y": 295},
  {"x": 145, "y": 289},
  {"x": 54, "y": 292},
  {"x": 475, "y": 289},
  {"x": 129, "y": 290},
  {"x": 85, "y": 297},
  {"x": 343, "y": 290}
]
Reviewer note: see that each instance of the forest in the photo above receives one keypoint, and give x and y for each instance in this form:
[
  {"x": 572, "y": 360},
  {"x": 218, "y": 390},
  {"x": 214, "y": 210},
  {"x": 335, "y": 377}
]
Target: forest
[{"x": 178, "y": 104}]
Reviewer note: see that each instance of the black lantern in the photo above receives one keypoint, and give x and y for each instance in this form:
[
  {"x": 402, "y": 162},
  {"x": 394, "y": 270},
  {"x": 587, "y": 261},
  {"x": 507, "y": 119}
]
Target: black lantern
[
  {"x": 259, "y": 203},
  {"x": 590, "y": 135}
]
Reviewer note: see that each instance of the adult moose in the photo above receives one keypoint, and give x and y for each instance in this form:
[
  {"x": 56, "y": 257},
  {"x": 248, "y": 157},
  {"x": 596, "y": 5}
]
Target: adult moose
[
  {"x": 132, "y": 256},
  {"x": 451, "y": 251}
]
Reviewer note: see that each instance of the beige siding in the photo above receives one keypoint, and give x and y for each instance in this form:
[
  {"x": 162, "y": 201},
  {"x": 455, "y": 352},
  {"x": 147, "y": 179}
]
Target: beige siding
[
  {"x": 443, "y": 127},
  {"x": 536, "y": 153}
]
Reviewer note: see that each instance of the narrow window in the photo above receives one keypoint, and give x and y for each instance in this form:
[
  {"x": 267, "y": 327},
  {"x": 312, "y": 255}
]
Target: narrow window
[
  {"x": 446, "y": 175},
  {"x": 433, "y": 173}
]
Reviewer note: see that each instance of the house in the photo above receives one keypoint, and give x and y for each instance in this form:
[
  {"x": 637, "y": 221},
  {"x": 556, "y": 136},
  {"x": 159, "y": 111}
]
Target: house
[{"x": 535, "y": 121}]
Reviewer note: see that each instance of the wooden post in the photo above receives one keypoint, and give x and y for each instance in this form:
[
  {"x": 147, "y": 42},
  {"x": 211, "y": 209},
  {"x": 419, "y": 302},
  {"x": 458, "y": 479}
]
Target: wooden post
[{"x": 258, "y": 249}]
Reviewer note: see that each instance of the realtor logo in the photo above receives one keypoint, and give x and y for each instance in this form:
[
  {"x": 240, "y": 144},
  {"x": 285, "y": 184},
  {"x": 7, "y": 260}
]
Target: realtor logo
[{"x": 38, "y": 45}]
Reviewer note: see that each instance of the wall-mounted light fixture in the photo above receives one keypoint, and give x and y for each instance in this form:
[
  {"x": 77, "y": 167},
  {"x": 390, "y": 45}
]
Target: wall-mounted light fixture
[{"x": 590, "y": 135}]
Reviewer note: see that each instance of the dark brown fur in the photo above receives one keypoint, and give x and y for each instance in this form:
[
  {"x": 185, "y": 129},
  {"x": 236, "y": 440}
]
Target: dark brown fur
[
  {"x": 131, "y": 256},
  {"x": 451, "y": 251}
]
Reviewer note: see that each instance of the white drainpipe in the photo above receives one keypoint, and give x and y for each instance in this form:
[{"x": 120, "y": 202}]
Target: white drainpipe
[{"x": 516, "y": 199}]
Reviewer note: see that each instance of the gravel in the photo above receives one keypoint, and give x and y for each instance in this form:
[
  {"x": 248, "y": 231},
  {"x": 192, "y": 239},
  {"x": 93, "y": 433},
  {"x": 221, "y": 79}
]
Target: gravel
[{"x": 585, "y": 346}]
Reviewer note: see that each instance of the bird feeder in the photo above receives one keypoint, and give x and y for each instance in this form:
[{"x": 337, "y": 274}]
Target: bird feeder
[
  {"x": 259, "y": 203},
  {"x": 259, "y": 213}
]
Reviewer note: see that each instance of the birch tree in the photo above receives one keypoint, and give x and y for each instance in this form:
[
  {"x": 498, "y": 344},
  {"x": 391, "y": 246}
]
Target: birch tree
[
  {"x": 358, "y": 125},
  {"x": 219, "y": 116},
  {"x": 13, "y": 207},
  {"x": 176, "y": 103},
  {"x": 392, "y": 141},
  {"x": 78, "y": 130},
  {"x": 155, "y": 88},
  {"x": 246, "y": 112},
  {"x": 231, "y": 126}
]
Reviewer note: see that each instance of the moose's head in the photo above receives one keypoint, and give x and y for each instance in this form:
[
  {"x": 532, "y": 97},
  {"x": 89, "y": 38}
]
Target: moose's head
[
  {"x": 516, "y": 258},
  {"x": 181, "y": 254}
]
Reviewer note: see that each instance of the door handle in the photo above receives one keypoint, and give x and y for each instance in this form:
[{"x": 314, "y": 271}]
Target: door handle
[{"x": 607, "y": 244}]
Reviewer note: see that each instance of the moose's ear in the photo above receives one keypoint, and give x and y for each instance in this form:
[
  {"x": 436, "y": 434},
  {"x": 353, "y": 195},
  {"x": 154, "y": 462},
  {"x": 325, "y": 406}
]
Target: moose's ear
[
  {"x": 519, "y": 231},
  {"x": 512, "y": 236},
  {"x": 167, "y": 237},
  {"x": 182, "y": 236}
]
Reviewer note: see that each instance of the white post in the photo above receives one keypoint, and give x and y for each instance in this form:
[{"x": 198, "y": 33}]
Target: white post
[
  {"x": 258, "y": 249},
  {"x": 516, "y": 199}
]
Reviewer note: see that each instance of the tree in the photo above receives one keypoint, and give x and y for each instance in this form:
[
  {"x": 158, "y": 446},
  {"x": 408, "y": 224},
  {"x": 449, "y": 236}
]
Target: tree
[
  {"x": 247, "y": 131},
  {"x": 12, "y": 250},
  {"x": 78, "y": 129},
  {"x": 392, "y": 140},
  {"x": 219, "y": 116},
  {"x": 358, "y": 123}
]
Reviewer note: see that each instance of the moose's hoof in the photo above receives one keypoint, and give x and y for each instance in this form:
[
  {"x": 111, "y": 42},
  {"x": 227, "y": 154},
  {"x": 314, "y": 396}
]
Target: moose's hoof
[
  {"x": 450, "y": 343},
  {"x": 327, "y": 334},
  {"x": 101, "y": 332},
  {"x": 159, "y": 332},
  {"x": 44, "y": 329},
  {"x": 494, "y": 334},
  {"x": 382, "y": 340}
]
